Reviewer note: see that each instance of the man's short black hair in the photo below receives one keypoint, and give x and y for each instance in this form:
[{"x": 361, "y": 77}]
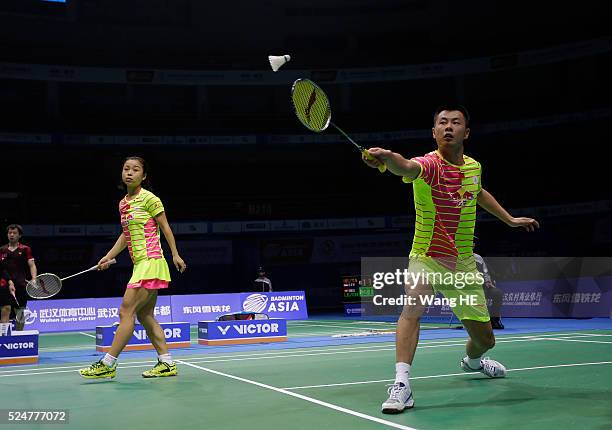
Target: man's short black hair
[
  {"x": 453, "y": 106},
  {"x": 15, "y": 227}
]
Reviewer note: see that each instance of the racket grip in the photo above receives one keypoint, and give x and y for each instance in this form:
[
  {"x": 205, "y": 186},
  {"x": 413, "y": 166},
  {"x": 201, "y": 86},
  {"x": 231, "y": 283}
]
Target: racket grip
[
  {"x": 382, "y": 168},
  {"x": 96, "y": 267},
  {"x": 16, "y": 301}
]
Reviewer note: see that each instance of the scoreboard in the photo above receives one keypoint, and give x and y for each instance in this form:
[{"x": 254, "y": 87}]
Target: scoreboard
[
  {"x": 356, "y": 289},
  {"x": 350, "y": 288}
]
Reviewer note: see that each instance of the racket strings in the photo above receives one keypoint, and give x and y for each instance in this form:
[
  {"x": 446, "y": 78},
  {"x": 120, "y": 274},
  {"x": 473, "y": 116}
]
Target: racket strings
[
  {"x": 46, "y": 285},
  {"x": 311, "y": 105}
]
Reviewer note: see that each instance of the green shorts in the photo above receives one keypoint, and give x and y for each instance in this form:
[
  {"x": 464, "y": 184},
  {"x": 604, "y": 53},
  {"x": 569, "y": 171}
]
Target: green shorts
[
  {"x": 459, "y": 282},
  {"x": 156, "y": 268}
]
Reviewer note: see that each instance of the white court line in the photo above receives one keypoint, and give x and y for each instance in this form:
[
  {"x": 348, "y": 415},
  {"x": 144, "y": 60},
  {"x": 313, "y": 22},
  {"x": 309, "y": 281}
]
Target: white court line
[
  {"x": 573, "y": 334},
  {"x": 356, "y": 330},
  {"x": 90, "y": 346},
  {"x": 66, "y": 348},
  {"x": 444, "y": 376},
  {"x": 332, "y": 334},
  {"x": 301, "y": 397},
  {"x": 87, "y": 334},
  {"x": 320, "y": 332},
  {"x": 279, "y": 353},
  {"x": 373, "y": 349},
  {"x": 373, "y": 322},
  {"x": 44, "y": 370},
  {"x": 320, "y": 326},
  {"x": 72, "y": 370},
  {"x": 320, "y": 323},
  {"x": 332, "y": 326},
  {"x": 585, "y": 334},
  {"x": 58, "y": 333},
  {"x": 566, "y": 339},
  {"x": 324, "y": 333},
  {"x": 293, "y": 352},
  {"x": 245, "y": 357},
  {"x": 378, "y": 344}
]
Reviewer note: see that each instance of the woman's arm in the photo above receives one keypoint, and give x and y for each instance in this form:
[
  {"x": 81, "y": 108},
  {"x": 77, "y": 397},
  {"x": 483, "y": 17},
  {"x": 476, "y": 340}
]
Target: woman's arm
[
  {"x": 162, "y": 221},
  {"x": 119, "y": 246}
]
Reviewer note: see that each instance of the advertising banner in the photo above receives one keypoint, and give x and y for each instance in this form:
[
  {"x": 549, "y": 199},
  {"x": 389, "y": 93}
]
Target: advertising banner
[
  {"x": 204, "y": 307},
  {"x": 82, "y": 314},
  {"x": 21, "y": 347},
  {"x": 176, "y": 333},
  {"x": 239, "y": 332},
  {"x": 290, "y": 305}
]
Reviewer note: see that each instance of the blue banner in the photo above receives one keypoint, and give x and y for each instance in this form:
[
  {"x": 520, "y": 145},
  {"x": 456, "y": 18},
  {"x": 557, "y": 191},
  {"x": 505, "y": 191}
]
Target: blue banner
[
  {"x": 177, "y": 336},
  {"x": 353, "y": 309},
  {"x": 87, "y": 314},
  {"x": 204, "y": 307},
  {"x": 289, "y": 305},
  {"x": 238, "y": 332},
  {"x": 585, "y": 297},
  {"x": 83, "y": 314},
  {"x": 19, "y": 348}
]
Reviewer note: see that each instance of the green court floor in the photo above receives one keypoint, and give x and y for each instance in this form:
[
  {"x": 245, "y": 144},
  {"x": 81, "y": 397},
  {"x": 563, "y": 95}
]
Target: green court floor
[{"x": 557, "y": 380}]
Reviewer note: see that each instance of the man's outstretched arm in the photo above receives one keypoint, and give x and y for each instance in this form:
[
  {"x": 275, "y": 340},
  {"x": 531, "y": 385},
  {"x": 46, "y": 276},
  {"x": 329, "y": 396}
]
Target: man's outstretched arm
[{"x": 397, "y": 164}]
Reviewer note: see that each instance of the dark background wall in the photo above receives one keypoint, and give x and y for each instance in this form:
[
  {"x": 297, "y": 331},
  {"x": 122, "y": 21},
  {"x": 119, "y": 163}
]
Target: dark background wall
[{"x": 70, "y": 180}]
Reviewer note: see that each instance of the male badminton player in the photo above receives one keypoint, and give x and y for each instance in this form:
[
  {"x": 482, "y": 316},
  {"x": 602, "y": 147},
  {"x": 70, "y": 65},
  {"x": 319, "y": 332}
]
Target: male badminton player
[
  {"x": 447, "y": 188},
  {"x": 19, "y": 263},
  {"x": 142, "y": 216}
]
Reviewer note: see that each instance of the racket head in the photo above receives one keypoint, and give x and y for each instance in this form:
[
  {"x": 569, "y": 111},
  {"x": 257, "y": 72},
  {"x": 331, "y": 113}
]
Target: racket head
[
  {"x": 311, "y": 105},
  {"x": 46, "y": 285}
]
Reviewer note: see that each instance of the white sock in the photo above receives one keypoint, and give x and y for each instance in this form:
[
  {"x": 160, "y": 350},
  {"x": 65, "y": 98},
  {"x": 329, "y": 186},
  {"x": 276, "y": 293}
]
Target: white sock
[
  {"x": 402, "y": 372},
  {"x": 474, "y": 363},
  {"x": 166, "y": 358},
  {"x": 109, "y": 360}
]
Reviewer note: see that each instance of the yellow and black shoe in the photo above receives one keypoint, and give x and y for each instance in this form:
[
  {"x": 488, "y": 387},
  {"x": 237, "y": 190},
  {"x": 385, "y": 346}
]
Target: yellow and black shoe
[
  {"x": 99, "y": 370},
  {"x": 161, "y": 370}
]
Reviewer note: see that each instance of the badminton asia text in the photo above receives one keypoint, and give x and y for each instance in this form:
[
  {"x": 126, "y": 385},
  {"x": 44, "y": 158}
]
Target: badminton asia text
[{"x": 411, "y": 278}]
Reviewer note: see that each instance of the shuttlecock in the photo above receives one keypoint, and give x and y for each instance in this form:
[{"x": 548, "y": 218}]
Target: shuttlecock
[{"x": 276, "y": 61}]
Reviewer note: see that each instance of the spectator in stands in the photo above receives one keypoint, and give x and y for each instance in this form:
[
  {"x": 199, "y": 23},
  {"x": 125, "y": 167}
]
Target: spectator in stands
[{"x": 262, "y": 283}]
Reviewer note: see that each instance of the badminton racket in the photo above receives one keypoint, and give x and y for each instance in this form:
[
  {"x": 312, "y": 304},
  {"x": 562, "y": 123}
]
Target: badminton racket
[
  {"x": 16, "y": 301},
  {"x": 313, "y": 109},
  {"x": 48, "y": 285},
  {"x": 14, "y": 297}
]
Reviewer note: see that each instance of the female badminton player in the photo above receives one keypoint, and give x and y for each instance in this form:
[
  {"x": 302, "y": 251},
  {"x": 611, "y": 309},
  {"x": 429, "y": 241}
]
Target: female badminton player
[{"x": 142, "y": 217}]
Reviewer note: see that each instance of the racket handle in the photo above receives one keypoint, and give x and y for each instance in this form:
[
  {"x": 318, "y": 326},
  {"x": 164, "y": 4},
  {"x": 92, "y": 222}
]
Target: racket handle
[
  {"x": 16, "y": 301},
  {"x": 113, "y": 261},
  {"x": 382, "y": 168},
  {"x": 109, "y": 262}
]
